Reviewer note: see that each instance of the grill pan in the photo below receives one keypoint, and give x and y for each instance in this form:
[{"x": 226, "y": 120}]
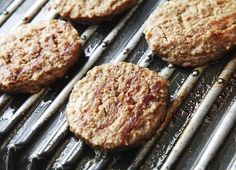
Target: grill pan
[{"x": 201, "y": 134}]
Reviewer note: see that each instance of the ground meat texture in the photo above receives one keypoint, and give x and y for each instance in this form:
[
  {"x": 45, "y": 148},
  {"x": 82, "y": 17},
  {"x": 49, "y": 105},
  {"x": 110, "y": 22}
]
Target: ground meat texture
[
  {"x": 192, "y": 32},
  {"x": 35, "y": 55},
  {"x": 91, "y": 10},
  {"x": 117, "y": 106}
]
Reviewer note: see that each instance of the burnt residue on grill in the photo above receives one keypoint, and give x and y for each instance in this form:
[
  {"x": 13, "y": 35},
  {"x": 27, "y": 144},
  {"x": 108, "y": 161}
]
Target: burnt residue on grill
[{"x": 213, "y": 118}]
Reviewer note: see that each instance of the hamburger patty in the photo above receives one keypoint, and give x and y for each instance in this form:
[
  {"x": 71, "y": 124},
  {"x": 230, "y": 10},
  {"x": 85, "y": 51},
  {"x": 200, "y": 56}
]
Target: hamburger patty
[
  {"x": 35, "y": 55},
  {"x": 192, "y": 32},
  {"x": 117, "y": 106},
  {"x": 91, "y": 10}
]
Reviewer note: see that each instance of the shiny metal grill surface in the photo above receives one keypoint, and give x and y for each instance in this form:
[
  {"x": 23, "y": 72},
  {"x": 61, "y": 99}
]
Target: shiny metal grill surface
[{"x": 202, "y": 106}]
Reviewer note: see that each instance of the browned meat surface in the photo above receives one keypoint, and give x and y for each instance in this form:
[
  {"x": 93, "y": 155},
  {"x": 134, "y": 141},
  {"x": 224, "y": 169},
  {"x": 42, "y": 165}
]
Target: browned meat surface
[
  {"x": 91, "y": 10},
  {"x": 35, "y": 55},
  {"x": 192, "y": 32},
  {"x": 117, "y": 106}
]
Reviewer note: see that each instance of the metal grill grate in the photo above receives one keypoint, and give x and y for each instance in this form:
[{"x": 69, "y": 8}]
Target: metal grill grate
[{"x": 33, "y": 132}]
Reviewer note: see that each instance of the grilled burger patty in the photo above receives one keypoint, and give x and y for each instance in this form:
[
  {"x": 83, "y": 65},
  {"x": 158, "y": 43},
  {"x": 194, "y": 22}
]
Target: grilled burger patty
[
  {"x": 117, "y": 106},
  {"x": 91, "y": 10},
  {"x": 35, "y": 55},
  {"x": 192, "y": 32}
]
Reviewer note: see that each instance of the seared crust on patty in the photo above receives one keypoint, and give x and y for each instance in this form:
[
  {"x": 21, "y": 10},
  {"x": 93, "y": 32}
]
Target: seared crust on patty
[
  {"x": 192, "y": 32},
  {"x": 91, "y": 10},
  {"x": 117, "y": 106},
  {"x": 35, "y": 55}
]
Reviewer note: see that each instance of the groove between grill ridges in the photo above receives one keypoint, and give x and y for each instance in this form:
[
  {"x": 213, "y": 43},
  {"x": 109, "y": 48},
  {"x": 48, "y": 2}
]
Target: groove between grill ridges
[
  {"x": 4, "y": 100},
  {"x": 232, "y": 164},
  {"x": 49, "y": 143},
  {"x": 21, "y": 112},
  {"x": 75, "y": 152},
  {"x": 200, "y": 114},
  {"x": 216, "y": 139}
]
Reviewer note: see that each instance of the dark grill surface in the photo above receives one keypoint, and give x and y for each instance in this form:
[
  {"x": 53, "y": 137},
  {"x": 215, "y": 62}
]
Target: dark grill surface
[{"x": 33, "y": 133}]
